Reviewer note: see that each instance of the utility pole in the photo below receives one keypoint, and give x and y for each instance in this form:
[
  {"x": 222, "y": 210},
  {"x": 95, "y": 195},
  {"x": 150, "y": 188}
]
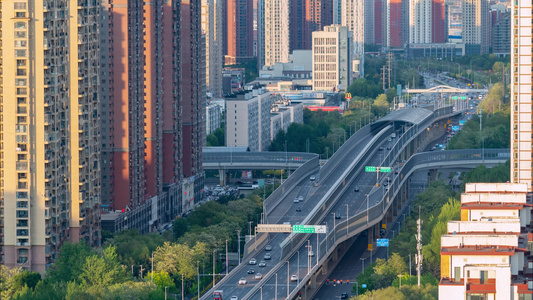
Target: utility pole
[
  {"x": 239, "y": 244},
  {"x": 226, "y": 257},
  {"x": 383, "y": 76},
  {"x": 418, "y": 257},
  {"x": 389, "y": 64}
]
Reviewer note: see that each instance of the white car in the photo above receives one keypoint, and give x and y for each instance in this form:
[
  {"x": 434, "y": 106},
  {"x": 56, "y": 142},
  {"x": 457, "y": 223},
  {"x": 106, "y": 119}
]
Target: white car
[
  {"x": 268, "y": 248},
  {"x": 311, "y": 253},
  {"x": 301, "y": 198},
  {"x": 294, "y": 277},
  {"x": 242, "y": 281},
  {"x": 234, "y": 298},
  {"x": 296, "y": 200},
  {"x": 252, "y": 261},
  {"x": 258, "y": 276}
]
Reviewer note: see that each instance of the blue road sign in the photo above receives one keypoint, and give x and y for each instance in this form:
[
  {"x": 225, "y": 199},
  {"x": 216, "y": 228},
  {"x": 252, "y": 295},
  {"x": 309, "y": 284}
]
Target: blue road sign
[
  {"x": 363, "y": 285},
  {"x": 462, "y": 122},
  {"x": 455, "y": 128},
  {"x": 383, "y": 242}
]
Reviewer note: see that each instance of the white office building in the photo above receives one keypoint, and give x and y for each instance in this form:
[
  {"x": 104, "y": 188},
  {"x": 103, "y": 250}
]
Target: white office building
[
  {"x": 248, "y": 119},
  {"x": 332, "y": 58}
]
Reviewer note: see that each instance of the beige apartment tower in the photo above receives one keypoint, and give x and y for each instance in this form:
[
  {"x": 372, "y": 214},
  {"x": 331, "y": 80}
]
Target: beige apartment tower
[
  {"x": 49, "y": 132},
  {"x": 521, "y": 115}
]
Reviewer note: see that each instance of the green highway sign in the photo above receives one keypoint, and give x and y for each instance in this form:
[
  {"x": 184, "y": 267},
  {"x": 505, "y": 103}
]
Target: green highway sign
[
  {"x": 463, "y": 98},
  {"x": 454, "y": 98},
  {"x": 378, "y": 169},
  {"x": 370, "y": 169},
  {"x": 309, "y": 229}
]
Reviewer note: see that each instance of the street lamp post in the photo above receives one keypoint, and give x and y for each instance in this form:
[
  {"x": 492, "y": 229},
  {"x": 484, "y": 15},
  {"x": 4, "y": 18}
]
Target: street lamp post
[
  {"x": 298, "y": 274},
  {"x": 347, "y": 217},
  {"x": 362, "y": 264},
  {"x": 226, "y": 257},
  {"x": 198, "y": 273},
  {"x": 182, "y": 286},
  {"x": 288, "y": 270},
  {"x": 367, "y": 204},
  {"x": 334, "y": 229},
  {"x": 214, "y": 267},
  {"x": 276, "y": 289}
]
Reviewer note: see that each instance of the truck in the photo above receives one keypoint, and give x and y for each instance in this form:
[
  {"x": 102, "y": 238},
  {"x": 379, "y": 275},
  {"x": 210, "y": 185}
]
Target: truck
[{"x": 218, "y": 294}]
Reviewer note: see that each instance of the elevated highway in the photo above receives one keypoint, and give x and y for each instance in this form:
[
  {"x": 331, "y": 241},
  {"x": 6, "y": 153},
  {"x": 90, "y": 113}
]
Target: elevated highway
[{"x": 414, "y": 128}]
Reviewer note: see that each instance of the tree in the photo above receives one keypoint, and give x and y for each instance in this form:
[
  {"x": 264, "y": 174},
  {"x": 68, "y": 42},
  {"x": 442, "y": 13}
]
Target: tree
[
  {"x": 130, "y": 290},
  {"x": 381, "y": 105},
  {"x": 494, "y": 100},
  {"x": 133, "y": 248},
  {"x": 26, "y": 278},
  {"x": 497, "y": 67},
  {"x": 70, "y": 262},
  {"x": 7, "y": 281},
  {"x": 102, "y": 271}
]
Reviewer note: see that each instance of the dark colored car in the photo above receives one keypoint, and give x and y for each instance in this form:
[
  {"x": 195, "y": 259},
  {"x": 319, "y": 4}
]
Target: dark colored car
[
  {"x": 356, "y": 189},
  {"x": 250, "y": 271},
  {"x": 337, "y": 216},
  {"x": 344, "y": 296}
]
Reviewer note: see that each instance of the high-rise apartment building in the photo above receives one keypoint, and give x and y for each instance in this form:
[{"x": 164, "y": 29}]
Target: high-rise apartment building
[
  {"x": 192, "y": 88},
  {"x": 353, "y": 17},
  {"x": 307, "y": 16},
  {"x": 212, "y": 19},
  {"x": 521, "y": 116},
  {"x": 274, "y": 32},
  {"x": 332, "y": 57},
  {"x": 392, "y": 24},
  {"x": 49, "y": 129},
  {"x": 476, "y": 26},
  {"x": 239, "y": 31},
  {"x": 501, "y": 39},
  {"x": 141, "y": 65},
  {"x": 426, "y": 21},
  {"x": 378, "y": 22},
  {"x": 369, "y": 21}
]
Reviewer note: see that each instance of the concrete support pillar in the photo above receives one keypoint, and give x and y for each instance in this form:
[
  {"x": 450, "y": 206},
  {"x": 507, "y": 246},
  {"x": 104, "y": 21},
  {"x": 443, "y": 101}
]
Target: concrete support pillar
[
  {"x": 325, "y": 267},
  {"x": 334, "y": 255},
  {"x": 313, "y": 281},
  {"x": 222, "y": 176}
]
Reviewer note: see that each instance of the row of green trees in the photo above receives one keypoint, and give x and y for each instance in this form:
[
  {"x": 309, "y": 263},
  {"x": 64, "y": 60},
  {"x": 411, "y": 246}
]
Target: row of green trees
[{"x": 121, "y": 268}]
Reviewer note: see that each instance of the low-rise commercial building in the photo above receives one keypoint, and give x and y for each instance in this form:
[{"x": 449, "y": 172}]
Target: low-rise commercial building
[{"x": 300, "y": 66}]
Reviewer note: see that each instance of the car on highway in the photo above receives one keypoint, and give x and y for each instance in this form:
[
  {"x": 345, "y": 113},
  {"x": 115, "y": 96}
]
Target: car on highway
[
  {"x": 337, "y": 216},
  {"x": 380, "y": 148},
  {"x": 385, "y": 183},
  {"x": 312, "y": 178},
  {"x": 268, "y": 248},
  {"x": 250, "y": 271},
  {"x": 311, "y": 253},
  {"x": 242, "y": 281},
  {"x": 296, "y": 200},
  {"x": 356, "y": 189},
  {"x": 299, "y": 208},
  {"x": 301, "y": 198},
  {"x": 382, "y": 232},
  {"x": 344, "y": 296},
  {"x": 294, "y": 277},
  {"x": 234, "y": 298},
  {"x": 267, "y": 256},
  {"x": 262, "y": 264},
  {"x": 252, "y": 261},
  {"x": 258, "y": 276}
]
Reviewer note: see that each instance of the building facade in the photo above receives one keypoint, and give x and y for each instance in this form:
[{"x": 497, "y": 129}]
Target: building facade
[
  {"x": 300, "y": 66},
  {"x": 392, "y": 24},
  {"x": 476, "y": 26},
  {"x": 353, "y": 17},
  {"x": 239, "y": 31},
  {"x": 487, "y": 255},
  {"x": 213, "y": 115},
  {"x": 426, "y": 21},
  {"x": 501, "y": 39},
  {"x": 212, "y": 19},
  {"x": 49, "y": 129},
  {"x": 305, "y": 17},
  {"x": 275, "y": 38},
  {"x": 248, "y": 119},
  {"x": 521, "y": 117},
  {"x": 332, "y": 58}
]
